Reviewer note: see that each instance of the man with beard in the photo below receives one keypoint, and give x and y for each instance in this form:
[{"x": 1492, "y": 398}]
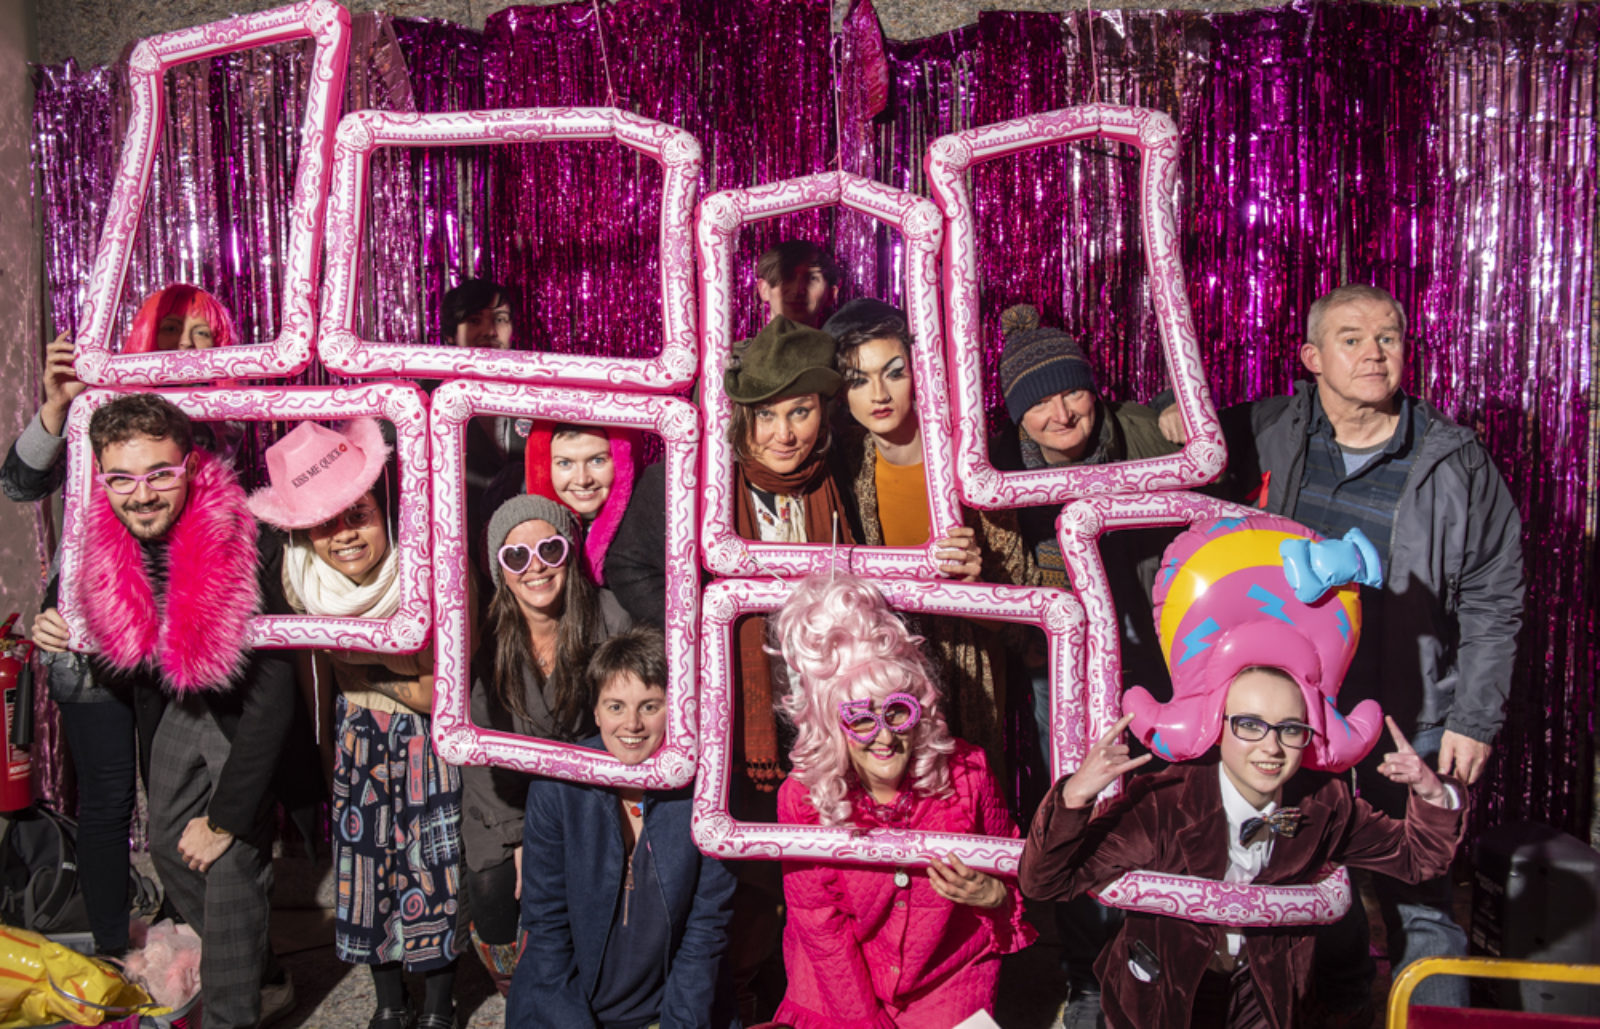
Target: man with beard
[{"x": 172, "y": 571}]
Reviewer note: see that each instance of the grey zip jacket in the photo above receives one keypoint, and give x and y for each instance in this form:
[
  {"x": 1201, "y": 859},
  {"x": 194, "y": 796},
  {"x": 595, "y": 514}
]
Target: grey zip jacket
[{"x": 1454, "y": 582}]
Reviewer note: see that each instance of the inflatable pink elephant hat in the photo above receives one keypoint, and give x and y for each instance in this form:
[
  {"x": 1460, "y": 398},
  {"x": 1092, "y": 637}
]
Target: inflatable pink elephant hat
[{"x": 1235, "y": 593}]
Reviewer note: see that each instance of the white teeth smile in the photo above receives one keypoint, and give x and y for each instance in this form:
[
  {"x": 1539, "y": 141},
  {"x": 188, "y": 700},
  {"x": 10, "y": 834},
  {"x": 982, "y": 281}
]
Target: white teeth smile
[{"x": 349, "y": 553}]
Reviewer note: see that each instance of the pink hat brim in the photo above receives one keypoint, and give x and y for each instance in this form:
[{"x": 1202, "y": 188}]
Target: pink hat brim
[{"x": 276, "y": 507}]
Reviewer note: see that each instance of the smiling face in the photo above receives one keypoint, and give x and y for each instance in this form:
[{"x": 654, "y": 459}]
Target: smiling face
[
  {"x": 147, "y": 513},
  {"x": 784, "y": 432},
  {"x": 1063, "y": 425},
  {"x": 878, "y": 389},
  {"x": 486, "y": 327},
  {"x": 538, "y": 589},
  {"x": 880, "y": 765},
  {"x": 183, "y": 332},
  {"x": 805, "y": 297},
  {"x": 1259, "y": 769},
  {"x": 355, "y": 541},
  {"x": 1359, "y": 357},
  {"x": 632, "y": 717},
  {"x": 581, "y": 470}
]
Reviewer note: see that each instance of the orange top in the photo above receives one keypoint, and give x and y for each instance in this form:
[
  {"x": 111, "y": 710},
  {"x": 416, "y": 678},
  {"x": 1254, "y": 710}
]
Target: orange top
[{"x": 902, "y": 503}]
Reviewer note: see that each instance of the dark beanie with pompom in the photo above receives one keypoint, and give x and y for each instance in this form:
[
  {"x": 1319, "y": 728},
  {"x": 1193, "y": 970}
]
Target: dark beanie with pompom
[{"x": 1037, "y": 362}]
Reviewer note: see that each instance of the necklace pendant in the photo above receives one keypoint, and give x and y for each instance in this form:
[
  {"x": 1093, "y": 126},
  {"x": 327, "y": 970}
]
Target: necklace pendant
[{"x": 902, "y": 878}]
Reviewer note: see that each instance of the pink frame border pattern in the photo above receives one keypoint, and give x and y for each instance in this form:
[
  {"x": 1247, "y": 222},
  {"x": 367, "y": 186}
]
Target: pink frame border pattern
[
  {"x": 455, "y": 736},
  {"x": 323, "y": 21},
  {"x": 719, "y": 834},
  {"x": 401, "y": 404},
  {"x": 720, "y": 218},
  {"x": 363, "y": 132},
  {"x": 949, "y": 160},
  {"x": 1245, "y": 905}
]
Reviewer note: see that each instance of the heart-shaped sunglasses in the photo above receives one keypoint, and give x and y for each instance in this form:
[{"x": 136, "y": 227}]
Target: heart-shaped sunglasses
[
  {"x": 899, "y": 713},
  {"x": 551, "y": 552}
]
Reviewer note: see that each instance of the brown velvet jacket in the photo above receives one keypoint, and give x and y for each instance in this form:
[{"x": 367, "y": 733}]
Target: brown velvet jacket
[{"x": 1173, "y": 821}]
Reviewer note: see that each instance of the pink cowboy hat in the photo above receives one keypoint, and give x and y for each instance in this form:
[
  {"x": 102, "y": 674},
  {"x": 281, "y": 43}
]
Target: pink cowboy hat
[{"x": 315, "y": 472}]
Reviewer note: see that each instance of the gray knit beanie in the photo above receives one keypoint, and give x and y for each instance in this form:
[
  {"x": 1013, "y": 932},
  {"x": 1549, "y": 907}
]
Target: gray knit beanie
[
  {"x": 525, "y": 507},
  {"x": 1037, "y": 363}
]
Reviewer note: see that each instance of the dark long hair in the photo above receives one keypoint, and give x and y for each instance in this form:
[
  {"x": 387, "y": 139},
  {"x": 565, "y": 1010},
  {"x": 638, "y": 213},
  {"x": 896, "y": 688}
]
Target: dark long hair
[{"x": 514, "y": 662}]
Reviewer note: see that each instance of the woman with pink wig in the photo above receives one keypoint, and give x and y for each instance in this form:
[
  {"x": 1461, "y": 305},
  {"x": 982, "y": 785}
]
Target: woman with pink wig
[
  {"x": 180, "y": 317},
  {"x": 883, "y": 947}
]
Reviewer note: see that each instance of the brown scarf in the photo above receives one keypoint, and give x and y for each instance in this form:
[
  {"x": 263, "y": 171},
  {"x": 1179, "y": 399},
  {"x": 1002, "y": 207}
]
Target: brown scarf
[{"x": 757, "y": 750}]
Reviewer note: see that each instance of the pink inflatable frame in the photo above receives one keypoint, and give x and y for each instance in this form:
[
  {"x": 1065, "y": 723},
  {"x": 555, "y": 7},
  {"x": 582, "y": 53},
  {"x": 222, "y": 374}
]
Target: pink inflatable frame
[
  {"x": 363, "y": 132},
  {"x": 458, "y": 740},
  {"x": 401, "y": 404},
  {"x": 719, "y": 834},
  {"x": 323, "y": 21},
  {"x": 1078, "y": 529},
  {"x": 1156, "y": 137},
  {"x": 1242, "y": 905},
  {"x": 720, "y": 218}
]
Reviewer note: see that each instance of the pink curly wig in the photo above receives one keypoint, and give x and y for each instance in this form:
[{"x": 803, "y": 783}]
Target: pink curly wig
[
  {"x": 841, "y": 642},
  {"x": 180, "y": 299}
]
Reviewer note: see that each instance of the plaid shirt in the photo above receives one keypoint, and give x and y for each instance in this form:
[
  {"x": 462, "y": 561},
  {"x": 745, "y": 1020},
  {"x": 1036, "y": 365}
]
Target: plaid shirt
[{"x": 1332, "y": 501}]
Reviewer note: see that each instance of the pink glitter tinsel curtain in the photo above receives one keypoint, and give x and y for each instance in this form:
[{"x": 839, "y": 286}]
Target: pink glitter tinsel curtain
[{"x": 1445, "y": 153}]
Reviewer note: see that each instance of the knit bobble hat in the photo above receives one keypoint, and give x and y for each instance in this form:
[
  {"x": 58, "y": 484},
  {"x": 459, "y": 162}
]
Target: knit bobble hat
[
  {"x": 525, "y": 507},
  {"x": 1038, "y": 362}
]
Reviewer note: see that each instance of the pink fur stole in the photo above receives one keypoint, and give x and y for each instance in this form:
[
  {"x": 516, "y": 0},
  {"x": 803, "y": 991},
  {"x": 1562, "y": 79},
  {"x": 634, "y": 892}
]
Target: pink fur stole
[{"x": 195, "y": 635}]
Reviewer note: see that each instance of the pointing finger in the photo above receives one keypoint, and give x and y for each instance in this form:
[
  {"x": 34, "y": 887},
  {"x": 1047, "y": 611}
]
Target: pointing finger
[{"x": 1401, "y": 744}]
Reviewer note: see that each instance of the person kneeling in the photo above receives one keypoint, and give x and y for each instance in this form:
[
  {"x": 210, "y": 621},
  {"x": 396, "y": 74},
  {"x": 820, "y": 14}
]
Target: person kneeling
[{"x": 624, "y": 921}]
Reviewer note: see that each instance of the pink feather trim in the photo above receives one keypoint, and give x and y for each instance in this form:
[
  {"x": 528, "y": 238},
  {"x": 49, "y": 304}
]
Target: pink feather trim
[{"x": 197, "y": 638}]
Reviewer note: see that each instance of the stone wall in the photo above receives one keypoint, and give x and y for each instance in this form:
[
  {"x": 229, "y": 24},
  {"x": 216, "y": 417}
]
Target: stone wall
[{"x": 97, "y": 31}]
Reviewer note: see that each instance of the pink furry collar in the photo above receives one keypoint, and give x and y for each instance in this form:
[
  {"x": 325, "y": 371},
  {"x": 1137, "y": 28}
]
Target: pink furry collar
[{"x": 195, "y": 634}]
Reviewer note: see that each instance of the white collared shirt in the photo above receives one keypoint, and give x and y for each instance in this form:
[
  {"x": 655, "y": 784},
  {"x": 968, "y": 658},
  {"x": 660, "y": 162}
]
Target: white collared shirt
[{"x": 1244, "y": 863}]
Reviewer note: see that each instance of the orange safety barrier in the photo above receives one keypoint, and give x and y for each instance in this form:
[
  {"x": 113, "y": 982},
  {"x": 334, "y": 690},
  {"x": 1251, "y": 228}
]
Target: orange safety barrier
[{"x": 1403, "y": 1016}]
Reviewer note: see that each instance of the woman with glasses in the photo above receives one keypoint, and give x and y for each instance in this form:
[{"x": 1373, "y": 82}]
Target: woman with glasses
[
  {"x": 396, "y": 805},
  {"x": 874, "y": 946},
  {"x": 545, "y": 617},
  {"x": 1258, "y": 621}
]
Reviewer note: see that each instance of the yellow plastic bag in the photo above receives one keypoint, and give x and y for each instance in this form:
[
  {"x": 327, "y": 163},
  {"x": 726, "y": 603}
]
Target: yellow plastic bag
[{"x": 42, "y": 982}]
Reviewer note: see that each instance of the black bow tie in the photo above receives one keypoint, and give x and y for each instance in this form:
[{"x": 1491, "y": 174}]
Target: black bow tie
[{"x": 1283, "y": 822}]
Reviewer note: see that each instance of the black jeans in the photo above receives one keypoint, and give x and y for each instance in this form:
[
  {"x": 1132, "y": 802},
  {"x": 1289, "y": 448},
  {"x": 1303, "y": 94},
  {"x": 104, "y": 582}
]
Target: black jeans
[{"x": 101, "y": 738}]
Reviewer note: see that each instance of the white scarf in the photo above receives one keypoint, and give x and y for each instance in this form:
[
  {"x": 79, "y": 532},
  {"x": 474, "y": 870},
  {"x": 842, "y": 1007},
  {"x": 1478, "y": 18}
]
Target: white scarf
[{"x": 317, "y": 588}]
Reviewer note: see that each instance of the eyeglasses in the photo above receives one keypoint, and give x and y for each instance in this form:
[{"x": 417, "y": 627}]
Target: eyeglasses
[
  {"x": 159, "y": 479},
  {"x": 358, "y": 517},
  {"x": 899, "y": 713},
  {"x": 1294, "y": 735},
  {"x": 551, "y": 551}
]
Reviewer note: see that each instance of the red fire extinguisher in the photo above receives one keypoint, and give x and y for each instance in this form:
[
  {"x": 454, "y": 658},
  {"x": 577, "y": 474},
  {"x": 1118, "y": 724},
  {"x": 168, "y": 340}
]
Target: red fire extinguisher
[{"x": 16, "y": 729}]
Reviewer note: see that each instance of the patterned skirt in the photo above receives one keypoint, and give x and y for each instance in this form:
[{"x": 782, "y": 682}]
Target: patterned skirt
[{"x": 397, "y": 841}]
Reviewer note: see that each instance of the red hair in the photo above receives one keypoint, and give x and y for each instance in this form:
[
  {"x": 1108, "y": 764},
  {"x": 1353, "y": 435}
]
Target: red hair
[{"x": 183, "y": 300}]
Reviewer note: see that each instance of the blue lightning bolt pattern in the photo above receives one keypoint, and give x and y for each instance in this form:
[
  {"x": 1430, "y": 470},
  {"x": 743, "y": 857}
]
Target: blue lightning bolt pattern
[
  {"x": 1223, "y": 525},
  {"x": 1170, "y": 570},
  {"x": 1271, "y": 603},
  {"x": 1159, "y": 745},
  {"x": 1194, "y": 643},
  {"x": 1344, "y": 623},
  {"x": 1337, "y": 715}
]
